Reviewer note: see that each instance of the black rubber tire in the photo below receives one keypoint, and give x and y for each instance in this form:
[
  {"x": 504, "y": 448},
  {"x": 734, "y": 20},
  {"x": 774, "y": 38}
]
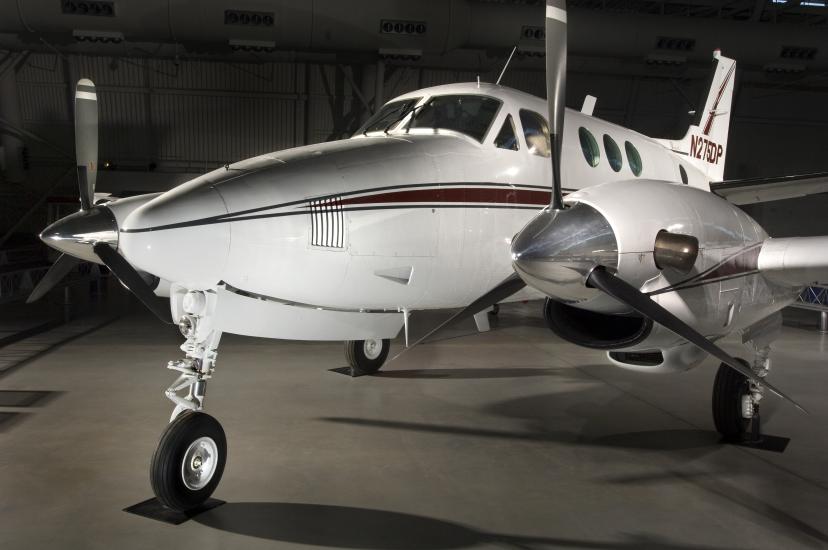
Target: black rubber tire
[
  {"x": 165, "y": 469},
  {"x": 728, "y": 389},
  {"x": 360, "y": 364}
]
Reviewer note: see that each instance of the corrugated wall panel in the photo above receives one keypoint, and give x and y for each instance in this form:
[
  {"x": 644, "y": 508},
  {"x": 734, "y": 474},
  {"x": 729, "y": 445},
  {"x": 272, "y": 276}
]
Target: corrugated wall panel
[
  {"x": 401, "y": 80},
  {"x": 216, "y": 129},
  {"x": 110, "y": 71},
  {"x": 202, "y": 113},
  {"x": 532, "y": 82},
  {"x": 124, "y": 134},
  {"x": 327, "y": 80},
  {"x": 212, "y": 75},
  {"x": 44, "y": 103},
  {"x": 42, "y": 67}
]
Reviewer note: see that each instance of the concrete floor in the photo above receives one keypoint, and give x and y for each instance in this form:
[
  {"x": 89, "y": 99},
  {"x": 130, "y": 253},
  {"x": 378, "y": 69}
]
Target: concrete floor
[{"x": 509, "y": 439}]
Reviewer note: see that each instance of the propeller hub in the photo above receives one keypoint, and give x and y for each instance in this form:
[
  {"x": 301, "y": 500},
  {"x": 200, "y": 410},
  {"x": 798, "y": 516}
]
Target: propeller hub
[
  {"x": 78, "y": 233},
  {"x": 558, "y": 249}
]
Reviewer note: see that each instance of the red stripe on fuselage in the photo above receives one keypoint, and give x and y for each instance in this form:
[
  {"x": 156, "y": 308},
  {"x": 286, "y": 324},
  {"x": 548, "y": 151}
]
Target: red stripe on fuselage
[{"x": 455, "y": 195}]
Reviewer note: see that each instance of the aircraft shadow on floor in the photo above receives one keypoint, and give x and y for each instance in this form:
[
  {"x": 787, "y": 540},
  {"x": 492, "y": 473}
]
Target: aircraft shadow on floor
[
  {"x": 585, "y": 416},
  {"x": 22, "y": 399},
  {"x": 603, "y": 423},
  {"x": 350, "y": 527},
  {"x": 463, "y": 373},
  {"x": 656, "y": 440},
  {"x": 801, "y": 531}
]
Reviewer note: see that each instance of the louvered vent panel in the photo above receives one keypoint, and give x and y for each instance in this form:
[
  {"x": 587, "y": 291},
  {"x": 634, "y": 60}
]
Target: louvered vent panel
[{"x": 327, "y": 223}]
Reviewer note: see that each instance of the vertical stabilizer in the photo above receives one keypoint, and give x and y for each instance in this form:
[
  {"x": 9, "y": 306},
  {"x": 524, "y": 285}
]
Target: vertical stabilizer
[{"x": 705, "y": 143}]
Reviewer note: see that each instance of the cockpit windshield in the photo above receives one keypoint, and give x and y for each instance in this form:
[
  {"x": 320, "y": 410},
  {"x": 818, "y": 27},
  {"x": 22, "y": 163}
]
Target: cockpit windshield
[
  {"x": 468, "y": 114},
  {"x": 388, "y": 116}
]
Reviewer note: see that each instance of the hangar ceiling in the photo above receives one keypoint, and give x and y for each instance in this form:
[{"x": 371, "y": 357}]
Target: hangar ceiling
[
  {"x": 185, "y": 86},
  {"x": 777, "y": 36},
  {"x": 783, "y": 11}
]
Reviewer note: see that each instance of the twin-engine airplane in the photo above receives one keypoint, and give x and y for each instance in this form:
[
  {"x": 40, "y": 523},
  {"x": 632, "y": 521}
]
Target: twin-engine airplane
[{"x": 442, "y": 199}]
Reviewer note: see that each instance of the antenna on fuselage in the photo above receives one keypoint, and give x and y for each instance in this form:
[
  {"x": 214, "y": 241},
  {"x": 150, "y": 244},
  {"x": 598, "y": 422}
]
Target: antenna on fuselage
[{"x": 506, "y": 66}]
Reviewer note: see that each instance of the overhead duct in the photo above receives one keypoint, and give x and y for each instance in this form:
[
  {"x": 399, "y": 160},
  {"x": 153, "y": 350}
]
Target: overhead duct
[{"x": 434, "y": 27}]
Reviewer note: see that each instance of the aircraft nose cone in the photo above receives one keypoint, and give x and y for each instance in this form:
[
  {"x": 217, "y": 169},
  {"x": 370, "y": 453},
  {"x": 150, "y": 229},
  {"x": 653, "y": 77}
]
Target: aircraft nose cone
[
  {"x": 555, "y": 252},
  {"x": 180, "y": 236},
  {"x": 77, "y": 234}
]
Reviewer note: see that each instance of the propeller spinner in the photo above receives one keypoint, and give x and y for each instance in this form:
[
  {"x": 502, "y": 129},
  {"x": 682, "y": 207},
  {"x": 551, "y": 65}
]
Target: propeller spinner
[{"x": 91, "y": 234}]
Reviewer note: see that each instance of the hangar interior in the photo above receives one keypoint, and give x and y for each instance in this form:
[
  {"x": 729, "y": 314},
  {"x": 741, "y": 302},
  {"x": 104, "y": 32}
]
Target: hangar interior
[{"x": 511, "y": 438}]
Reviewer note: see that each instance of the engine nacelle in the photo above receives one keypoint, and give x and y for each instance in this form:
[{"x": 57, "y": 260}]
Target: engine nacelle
[{"x": 687, "y": 248}]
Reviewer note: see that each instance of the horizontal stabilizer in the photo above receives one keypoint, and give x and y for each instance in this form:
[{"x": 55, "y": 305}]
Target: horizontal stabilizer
[{"x": 749, "y": 191}]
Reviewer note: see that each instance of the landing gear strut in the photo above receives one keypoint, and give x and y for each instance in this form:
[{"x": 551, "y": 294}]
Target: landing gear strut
[
  {"x": 189, "y": 461},
  {"x": 366, "y": 356}
]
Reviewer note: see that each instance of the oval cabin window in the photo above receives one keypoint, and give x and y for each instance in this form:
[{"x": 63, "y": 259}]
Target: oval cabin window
[
  {"x": 633, "y": 158},
  {"x": 589, "y": 146},
  {"x": 614, "y": 157},
  {"x": 683, "y": 174}
]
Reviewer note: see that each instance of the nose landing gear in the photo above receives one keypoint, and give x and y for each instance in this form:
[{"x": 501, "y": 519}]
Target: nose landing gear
[{"x": 189, "y": 460}]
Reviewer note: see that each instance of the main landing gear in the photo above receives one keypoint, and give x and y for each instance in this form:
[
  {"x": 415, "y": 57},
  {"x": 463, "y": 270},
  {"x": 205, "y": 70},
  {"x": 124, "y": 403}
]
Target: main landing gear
[
  {"x": 189, "y": 461},
  {"x": 736, "y": 401},
  {"x": 366, "y": 356}
]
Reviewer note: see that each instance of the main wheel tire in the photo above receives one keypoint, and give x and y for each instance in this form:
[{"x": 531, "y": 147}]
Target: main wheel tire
[
  {"x": 189, "y": 460},
  {"x": 367, "y": 356},
  {"x": 728, "y": 389}
]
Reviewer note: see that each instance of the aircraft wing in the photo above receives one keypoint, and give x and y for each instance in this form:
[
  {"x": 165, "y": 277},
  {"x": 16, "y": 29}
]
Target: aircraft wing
[
  {"x": 750, "y": 191},
  {"x": 795, "y": 261}
]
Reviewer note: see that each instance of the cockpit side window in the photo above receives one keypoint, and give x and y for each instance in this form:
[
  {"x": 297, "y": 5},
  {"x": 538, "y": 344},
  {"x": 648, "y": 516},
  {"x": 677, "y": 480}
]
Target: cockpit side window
[
  {"x": 536, "y": 133},
  {"x": 468, "y": 114},
  {"x": 388, "y": 116},
  {"x": 506, "y": 137}
]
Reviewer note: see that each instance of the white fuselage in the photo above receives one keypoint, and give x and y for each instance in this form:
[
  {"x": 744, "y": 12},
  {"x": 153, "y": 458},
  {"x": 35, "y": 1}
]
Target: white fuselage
[
  {"x": 435, "y": 209},
  {"x": 411, "y": 219}
]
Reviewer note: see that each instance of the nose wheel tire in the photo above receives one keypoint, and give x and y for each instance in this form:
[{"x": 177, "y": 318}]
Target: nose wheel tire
[
  {"x": 366, "y": 356},
  {"x": 728, "y": 390},
  {"x": 187, "y": 465}
]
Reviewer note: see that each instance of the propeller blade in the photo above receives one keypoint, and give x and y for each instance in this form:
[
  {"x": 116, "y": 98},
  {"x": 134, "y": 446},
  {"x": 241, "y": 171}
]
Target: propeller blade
[
  {"x": 622, "y": 291},
  {"x": 132, "y": 280},
  {"x": 86, "y": 140},
  {"x": 64, "y": 264},
  {"x": 509, "y": 286},
  {"x": 556, "y": 89}
]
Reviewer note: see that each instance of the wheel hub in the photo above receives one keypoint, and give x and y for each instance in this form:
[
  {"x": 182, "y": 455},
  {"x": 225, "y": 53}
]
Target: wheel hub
[
  {"x": 372, "y": 349},
  {"x": 199, "y": 463}
]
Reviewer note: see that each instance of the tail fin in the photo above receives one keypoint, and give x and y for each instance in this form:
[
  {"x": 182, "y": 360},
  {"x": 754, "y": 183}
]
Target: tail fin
[{"x": 705, "y": 143}]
